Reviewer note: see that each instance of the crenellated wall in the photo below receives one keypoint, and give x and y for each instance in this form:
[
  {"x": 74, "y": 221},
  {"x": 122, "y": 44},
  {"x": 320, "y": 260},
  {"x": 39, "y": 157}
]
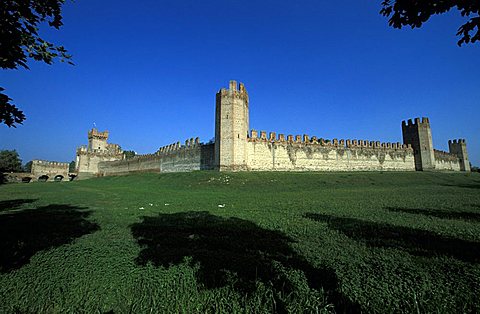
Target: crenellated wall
[
  {"x": 302, "y": 153},
  {"x": 171, "y": 158},
  {"x": 237, "y": 149},
  {"x": 446, "y": 161},
  {"x": 49, "y": 169}
]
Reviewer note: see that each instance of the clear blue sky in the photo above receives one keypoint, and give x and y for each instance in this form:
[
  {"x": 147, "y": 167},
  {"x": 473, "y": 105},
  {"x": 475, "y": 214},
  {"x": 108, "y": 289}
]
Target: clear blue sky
[{"x": 148, "y": 72}]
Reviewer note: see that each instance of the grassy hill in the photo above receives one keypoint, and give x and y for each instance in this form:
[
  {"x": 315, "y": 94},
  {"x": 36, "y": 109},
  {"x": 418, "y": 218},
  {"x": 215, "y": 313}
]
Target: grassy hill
[{"x": 242, "y": 242}]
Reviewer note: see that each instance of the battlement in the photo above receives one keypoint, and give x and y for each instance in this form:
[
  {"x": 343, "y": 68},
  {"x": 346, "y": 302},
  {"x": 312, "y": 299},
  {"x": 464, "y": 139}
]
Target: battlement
[
  {"x": 235, "y": 89},
  {"x": 457, "y": 141},
  {"x": 114, "y": 148},
  {"x": 50, "y": 163},
  {"x": 416, "y": 122},
  {"x": 314, "y": 140},
  {"x": 94, "y": 133},
  {"x": 190, "y": 143},
  {"x": 444, "y": 156},
  {"x": 142, "y": 157},
  {"x": 82, "y": 149}
]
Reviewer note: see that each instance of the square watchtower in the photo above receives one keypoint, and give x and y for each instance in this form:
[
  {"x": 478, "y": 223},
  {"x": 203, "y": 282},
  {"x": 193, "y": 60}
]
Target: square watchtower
[
  {"x": 231, "y": 127},
  {"x": 419, "y": 135},
  {"x": 459, "y": 148}
]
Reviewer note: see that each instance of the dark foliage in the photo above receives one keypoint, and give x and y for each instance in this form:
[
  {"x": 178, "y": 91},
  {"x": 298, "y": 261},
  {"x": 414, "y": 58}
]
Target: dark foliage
[
  {"x": 414, "y": 13},
  {"x": 20, "y": 40},
  {"x": 9, "y": 114},
  {"x": 10, "y": 161},
  {"x": 230, "y": 251},
  {"x": 71, "y": 166},
  {"x": 414, "y": 241},
  {"x": 463, "y": 215},
  {"x": 28, "y": 166},
  {"x": 129, "y": 154},
  {"x": 24, "y": 233}
]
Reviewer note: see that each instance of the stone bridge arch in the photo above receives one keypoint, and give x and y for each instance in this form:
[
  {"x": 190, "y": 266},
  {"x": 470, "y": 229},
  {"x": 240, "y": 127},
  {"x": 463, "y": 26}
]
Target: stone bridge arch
[
  {"x": 58, "y": 178},
  {"x": 43, "y": 178},
  {"x": 50, "y": 170}
]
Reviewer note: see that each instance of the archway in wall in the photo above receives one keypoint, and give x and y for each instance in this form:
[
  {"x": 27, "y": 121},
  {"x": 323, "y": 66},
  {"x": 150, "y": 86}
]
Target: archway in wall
[
  {"x": 58, "y": 178},
  {"x": 26, "y": 179},
  {"x": 43, "y": 178},
  {"x": 72, "y": 177}
]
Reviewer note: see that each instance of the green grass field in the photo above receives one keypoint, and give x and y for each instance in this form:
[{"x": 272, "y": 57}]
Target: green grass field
[{"x": 209, "y": 242}]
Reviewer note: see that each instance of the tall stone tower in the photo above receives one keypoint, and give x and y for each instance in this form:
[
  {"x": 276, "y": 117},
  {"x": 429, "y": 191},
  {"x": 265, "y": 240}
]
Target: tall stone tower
[
  {"x": 419, "y": 135},
  {"x": 97, "y": 141},
  {"x": 459, "y": 148},
  {"x": 231, "y": 128}
]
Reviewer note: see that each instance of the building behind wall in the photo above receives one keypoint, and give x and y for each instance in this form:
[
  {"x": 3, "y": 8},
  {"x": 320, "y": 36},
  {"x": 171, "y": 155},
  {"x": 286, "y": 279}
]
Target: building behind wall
[{"x": 237, "y": 148}]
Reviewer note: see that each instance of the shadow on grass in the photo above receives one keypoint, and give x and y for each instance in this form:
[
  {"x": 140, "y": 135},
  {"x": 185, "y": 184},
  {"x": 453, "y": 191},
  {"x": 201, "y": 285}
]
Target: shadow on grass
[
  {"x": 414, "y": 241},
  {"x": 231, "y": 251},
  {"x": 14, "y": 204},
  {"x": 24, "y": 233},
  {"x": 474, "y": 185},
  {"x": 444, "y": 214}
]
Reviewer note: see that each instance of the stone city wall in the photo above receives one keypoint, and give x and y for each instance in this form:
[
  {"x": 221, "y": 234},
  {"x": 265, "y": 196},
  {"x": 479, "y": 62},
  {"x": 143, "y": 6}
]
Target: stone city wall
[
  {"x": 302, "y": 153},
  {"x": 87, "y": 162},
  {"x": 446, "y": 161},
  {"x": 170, "y": 158}
]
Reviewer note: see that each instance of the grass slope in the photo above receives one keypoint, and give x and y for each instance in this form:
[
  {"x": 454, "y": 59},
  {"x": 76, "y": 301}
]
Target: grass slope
[{"x": 242, "y": 242}]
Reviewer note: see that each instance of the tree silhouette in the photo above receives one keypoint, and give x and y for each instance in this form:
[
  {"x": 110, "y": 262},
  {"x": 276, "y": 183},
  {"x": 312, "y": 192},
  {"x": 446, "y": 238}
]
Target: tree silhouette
[
  {"x": 20, "y": 41},
  {"x": 414, "y": 13},
  {"x": 10, "y": 161}
]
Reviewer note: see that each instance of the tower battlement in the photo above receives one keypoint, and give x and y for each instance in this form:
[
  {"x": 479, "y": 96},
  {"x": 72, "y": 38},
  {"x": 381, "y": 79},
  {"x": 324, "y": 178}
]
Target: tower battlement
[
  {"x": 416, "y": 122},
  {"x": 94, "y": 133},
  {"x": 235, "y": 89},
  {"x": 458, "y": 141}
]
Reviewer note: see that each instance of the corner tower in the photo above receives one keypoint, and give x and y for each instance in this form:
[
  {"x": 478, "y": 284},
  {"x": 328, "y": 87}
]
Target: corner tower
[
  {"x": 419, "y": 135},
  {"x": 459, "y": 148},
  {"x": 231, "y": 128}
]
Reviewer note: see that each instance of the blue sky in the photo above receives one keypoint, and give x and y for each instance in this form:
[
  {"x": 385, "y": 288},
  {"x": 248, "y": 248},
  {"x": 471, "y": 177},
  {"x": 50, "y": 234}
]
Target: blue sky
[{"x": 148, "y": 72}]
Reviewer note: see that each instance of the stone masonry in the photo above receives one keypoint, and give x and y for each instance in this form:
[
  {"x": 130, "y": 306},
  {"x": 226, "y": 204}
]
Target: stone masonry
[{"x": 49, "y": 170}]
